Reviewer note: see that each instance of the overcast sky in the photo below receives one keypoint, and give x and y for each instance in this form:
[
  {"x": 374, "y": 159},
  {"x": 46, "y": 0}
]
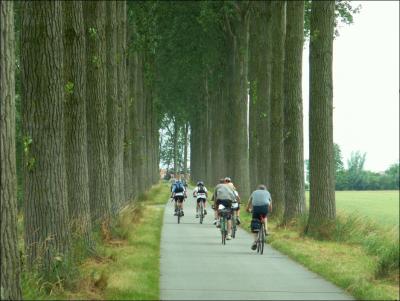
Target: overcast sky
[{"x": 365, "y": 85}]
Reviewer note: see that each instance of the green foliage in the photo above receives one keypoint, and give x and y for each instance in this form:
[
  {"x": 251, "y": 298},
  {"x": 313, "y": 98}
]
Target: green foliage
[
  {"x": 356, "y": 178},
  {"x": 344, "y": 12},
  {"x": 69, "y": 88},
  {"x": 96, "y": 61},
  {"x": 30, "y": 161},
  {"x": 92, "y": 32}
]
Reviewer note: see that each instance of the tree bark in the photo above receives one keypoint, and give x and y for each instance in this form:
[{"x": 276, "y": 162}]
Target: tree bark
[
  {"x": 113, "y": 109},
  {"x": 124, "y": 104},
  {"x": 322, "y": 167},
  {"x": 293, "y": 111},
  {"x": 185, "y": 153},
  {"x": 99, "y": 184},
  {"x": 239, "y": 127},
  {"x": 10, "y": 261},
  {"x": 46, "y": 205},
  {"x": 75, "y": 121},
  {"x": 264, "y": 95},
  {"x": 277, "y": 173},
  {"x": 175, "y": 141},
  {"x": 254, "y": 107}
]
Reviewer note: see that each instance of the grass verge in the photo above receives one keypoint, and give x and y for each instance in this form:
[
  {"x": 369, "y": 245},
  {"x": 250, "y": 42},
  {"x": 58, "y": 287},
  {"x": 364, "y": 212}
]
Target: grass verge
[
  {"x": 128, "y": 265},
  {"x": 353, "y": 260}
]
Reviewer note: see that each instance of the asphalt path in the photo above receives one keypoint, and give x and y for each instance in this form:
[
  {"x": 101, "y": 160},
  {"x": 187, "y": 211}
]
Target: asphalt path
[{"x": 196, "y": 266}]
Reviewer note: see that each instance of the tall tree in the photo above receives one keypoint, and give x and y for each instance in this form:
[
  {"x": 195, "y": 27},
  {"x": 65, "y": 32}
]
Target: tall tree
[
  {"x": 75, "y": 120},
  {"x": 322, "y": 165},
  {"x": 185, "y": 150},
  {"x": 96, "y": 109},
  {"x": 124, "y": 168},
  {"x": 260, "y": 105},
  {"x": 277, "y": 99},
  {"x": 10, "y": 261},
  {"x": 46, "y": 205},
  {"x": 293, "y": 112},
  {"x": 238, "y": 25},
  {"x": 112, "y": 105}
]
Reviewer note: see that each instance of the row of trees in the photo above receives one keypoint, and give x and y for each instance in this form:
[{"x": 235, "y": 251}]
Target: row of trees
[
  {"x": 237, "y": 81},
  {"x": 355, "y": 177},
  {"x": 89, "y": 126}
]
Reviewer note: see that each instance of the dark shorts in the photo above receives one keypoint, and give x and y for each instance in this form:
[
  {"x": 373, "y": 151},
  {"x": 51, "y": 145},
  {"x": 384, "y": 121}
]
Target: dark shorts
[
  {"x": 260, "y": 211},
  {"x": 228, "y": 206},
  {"x": 201, "y": 199},
  {"x": 179, "y": 198},
  {"x": 226, "y": 203}
]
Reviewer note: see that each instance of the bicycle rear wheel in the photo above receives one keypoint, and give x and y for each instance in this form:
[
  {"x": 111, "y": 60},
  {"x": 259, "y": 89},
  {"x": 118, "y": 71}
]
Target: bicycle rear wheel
[
  {"x": 179, "y": 215},
  {"x": 201, "y": 212},
  {"x": 258, "y": 242},
  {"x": 262, "y": 238},
  {"x": 223, "y": 230},
  {"x": 233, "y": 224}
]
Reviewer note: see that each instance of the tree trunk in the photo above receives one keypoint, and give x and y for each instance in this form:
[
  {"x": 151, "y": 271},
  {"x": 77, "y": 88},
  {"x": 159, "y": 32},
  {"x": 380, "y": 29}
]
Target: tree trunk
[
  {"x": 228, "y": 133},
  {"x": 322, "y": 167},
  {"x": 175, "y": 141},
  {"x": 96, "y": 94},
  {"x": 185, "y": 153},
  {"x": 123, "y": 104},
  {"x": 277, "y": 173},
  {"x": 113, "y": 117},
  {"x": 46, "y": 204},
  {"x": 293, "y": 111},
  {"x": 132, "y": 100},
  {"x": 239, "y": 127},
  {"x": 10, "y": 261},
  {"x": 139, "y": 133},
  {"x": 263, "y": 94},
  {"x": 216, "y": 132},
  {"x": 75, "y": 121}
]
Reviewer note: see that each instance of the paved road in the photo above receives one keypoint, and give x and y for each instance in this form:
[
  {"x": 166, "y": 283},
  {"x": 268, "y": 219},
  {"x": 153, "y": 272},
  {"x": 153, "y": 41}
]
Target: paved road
[{"x": 196, "y": 266}]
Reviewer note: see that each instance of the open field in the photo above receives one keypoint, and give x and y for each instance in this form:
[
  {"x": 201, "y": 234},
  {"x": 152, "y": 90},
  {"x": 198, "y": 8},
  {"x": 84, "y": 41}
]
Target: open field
[{"x": 381, "y": 206}]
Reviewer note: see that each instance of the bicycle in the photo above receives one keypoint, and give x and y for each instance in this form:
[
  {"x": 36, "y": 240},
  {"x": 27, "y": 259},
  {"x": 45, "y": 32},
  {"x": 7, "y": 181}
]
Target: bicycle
[
  {"x": 179, "y": 214},
  {"x": 179, "y": 211},
  {"x": 261, "y": 236},
  {"x": 201, "y": 209},
  {"x": 234, "y": 217},
  {"x": 200, "y": 197},
  {"x": 223, "y": 222}
]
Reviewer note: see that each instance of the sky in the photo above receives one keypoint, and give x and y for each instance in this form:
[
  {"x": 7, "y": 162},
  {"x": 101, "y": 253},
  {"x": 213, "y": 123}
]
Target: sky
[{"x": 365, "y": 85}]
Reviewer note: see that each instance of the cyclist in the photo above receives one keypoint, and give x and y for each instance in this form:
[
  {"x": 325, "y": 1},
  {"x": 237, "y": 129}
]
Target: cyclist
[
  {"x": 179, "y": 195},
  {"x": 224, "y": 195},
  {"x": 221, "y": 181},
  {"x": 201, "y": 192},
  {"x": 173, "y": 182},
  {"x": 260, "y": 203},
  {"x": 236, "y": 211}
]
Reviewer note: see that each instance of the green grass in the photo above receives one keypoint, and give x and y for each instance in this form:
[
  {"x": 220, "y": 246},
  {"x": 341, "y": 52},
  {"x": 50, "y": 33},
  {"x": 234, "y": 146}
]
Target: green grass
[
  {"x": 129, "y": 265},
  {"x": 382, "y": 206},
  {"x": 348, "y": 265},
  {"x": 363, "y": 255}
]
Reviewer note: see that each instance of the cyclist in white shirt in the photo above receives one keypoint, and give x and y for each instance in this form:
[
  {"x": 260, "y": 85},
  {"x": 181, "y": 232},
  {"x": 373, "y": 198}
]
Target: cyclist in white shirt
[{"x": 201, "y": 193}]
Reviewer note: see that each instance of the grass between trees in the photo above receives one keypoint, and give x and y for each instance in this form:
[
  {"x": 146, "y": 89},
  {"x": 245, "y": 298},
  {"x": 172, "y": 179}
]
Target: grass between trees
[
  {"x": 127, "y": 266},
  {"x": 362, "y": 254}
]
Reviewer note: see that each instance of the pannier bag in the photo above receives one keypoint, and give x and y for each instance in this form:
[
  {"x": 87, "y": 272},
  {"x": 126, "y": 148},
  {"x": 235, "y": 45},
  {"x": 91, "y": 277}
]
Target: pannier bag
[{"x": 255, "y": 225}]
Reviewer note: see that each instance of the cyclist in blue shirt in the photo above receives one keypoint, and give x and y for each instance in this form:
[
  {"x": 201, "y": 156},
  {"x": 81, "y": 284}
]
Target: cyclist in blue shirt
[{"x": 260, "y": 203}]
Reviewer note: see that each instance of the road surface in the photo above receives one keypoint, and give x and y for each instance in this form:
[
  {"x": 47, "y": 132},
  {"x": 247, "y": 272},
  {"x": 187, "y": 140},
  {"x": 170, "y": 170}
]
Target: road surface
[{"x": 196, "y": 266}]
